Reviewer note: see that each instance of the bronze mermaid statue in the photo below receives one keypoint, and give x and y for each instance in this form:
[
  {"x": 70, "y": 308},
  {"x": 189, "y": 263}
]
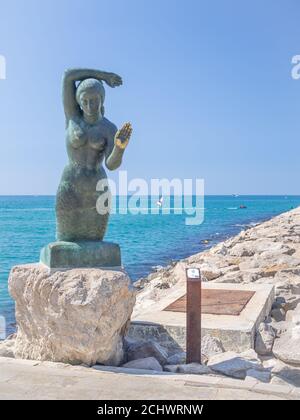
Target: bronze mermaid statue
[{"x": 90, "y": 139}]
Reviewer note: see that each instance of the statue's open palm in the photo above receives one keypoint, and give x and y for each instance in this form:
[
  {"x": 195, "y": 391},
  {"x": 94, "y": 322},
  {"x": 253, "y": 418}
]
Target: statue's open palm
[{"x": 123, "y": 135}]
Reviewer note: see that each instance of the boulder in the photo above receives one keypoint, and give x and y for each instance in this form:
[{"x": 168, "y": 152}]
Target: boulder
[
  {"x": 281, "y": 327},
  {"x": 288, "y": 281},
  {"x": 210, "y": 272},
  {"x": 74, "y": 316},
  {"x": 7, "y": 348},
  {"x": 287, "y": 347},
  {"x": 211, "y": 346},
  {"x": 171, "y": 368},
  {"x": 235, "y": 277},
  {"x": 250, "y": 264},
  {"x": 242, "y": 250},
  {"x": 283, "y": 373},
  {"x": 250, "y": 277},
  {"x": 290, "y": 301},
  {"x": 260, "y": 375},
  {"x": 278, "y": 314},
  {"x": 272, "y": 248},
  {"x": 231, "y": 268},
  {"x": 177, "y": 359},
  {"x": 264, "y": 339},
  {"x": 147, "y": 363},
  {"x": 235, "y": 364},
  {"x": 144, "y": 349},
  {"x": 220, "y": 250},
  {"x": 177, "y": 274},
  {"x": 293, "y": 316}
]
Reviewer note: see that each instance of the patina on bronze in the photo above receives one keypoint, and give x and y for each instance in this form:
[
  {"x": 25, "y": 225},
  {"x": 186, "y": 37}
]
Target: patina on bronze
[{"x": 90, "y": 139}]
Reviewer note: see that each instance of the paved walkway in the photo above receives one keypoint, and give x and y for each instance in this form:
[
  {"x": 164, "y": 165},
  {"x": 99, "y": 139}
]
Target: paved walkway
[{"x": 23, "y": 379}]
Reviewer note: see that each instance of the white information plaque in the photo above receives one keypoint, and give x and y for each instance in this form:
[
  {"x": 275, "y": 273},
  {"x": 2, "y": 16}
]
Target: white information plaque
[{"x": 193, "y": 273}]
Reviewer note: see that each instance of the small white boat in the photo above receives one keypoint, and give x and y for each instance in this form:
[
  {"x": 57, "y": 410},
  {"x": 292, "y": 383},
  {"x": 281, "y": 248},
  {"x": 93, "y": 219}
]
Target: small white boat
[{"x": 160, "y": 202}]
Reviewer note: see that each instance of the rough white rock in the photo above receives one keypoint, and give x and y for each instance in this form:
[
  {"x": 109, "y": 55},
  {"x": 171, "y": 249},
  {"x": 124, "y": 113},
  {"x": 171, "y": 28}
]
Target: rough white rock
[
  {"x": 250, "y": 277},
  {"x": 296, "y": 332},
  {"x": 264, "y": 339},
  {"x": 234, "y": 364},
  {"x": 287, "y": 347},
  {"x": 281, "y": 327},
  {"x": 288, "y": 282},
  {"x": 211, "y": 346},
  {"x": 290, "y": 301},
  {"x": 7, "y": 348},
  {"x": 291, "y": 317},
  {"x": 271, "y": 247},
  {"x": 249, "y": 264},
  {"x": 148, "y": 363},
  {"x": 221, "y": 250},
  {"x": 230, "y": 278},
  {"x": 177, "y": 273},
  {"x": 210, "y": 272},
  {"x": 242, "y": 250},
  {"x": 74, "y": 316}
]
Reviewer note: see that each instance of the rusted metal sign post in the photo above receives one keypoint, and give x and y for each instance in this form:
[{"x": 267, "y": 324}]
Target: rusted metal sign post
[{"x": 193, "y": 315}]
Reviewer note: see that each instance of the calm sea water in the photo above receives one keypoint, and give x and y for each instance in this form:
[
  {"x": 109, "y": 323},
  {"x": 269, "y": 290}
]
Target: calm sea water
[{"x": 27, "y": 223}]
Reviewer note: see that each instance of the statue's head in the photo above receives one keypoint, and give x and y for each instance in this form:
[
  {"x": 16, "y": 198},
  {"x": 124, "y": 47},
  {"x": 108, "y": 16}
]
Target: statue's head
[{"x": 90, "y": 96}]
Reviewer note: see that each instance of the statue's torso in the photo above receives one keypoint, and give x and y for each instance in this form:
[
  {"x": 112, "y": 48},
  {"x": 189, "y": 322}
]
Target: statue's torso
[
  {"x": 86, "y": 143},
  {"x": 86, "y": 146}
]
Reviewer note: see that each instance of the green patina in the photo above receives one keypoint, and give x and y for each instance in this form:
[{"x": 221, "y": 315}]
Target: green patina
[
  {"x": 83, "y": 197},
  {"x": 89, "y": 254}
]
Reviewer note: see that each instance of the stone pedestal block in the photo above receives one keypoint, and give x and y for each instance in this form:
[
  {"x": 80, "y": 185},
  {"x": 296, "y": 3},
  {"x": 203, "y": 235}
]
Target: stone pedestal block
[{"x": 74, "y": 316}]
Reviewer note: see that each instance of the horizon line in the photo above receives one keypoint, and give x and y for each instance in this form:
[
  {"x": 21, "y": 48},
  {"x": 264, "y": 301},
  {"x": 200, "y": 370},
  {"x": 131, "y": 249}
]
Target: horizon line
[{"x": 172, "y": 195}]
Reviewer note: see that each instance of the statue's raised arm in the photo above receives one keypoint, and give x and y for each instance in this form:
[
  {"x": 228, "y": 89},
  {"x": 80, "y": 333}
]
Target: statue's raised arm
[{"x": 71, "y": 76}]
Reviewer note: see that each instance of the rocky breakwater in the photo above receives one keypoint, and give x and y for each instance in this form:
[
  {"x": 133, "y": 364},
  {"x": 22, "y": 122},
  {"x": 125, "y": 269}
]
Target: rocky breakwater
[
  {"x": 74, "y": 316},
  {"x": 268, "y": 253}
]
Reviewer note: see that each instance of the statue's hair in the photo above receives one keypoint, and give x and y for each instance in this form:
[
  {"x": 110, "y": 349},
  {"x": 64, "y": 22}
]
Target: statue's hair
[{"x": 91, "y": 85}]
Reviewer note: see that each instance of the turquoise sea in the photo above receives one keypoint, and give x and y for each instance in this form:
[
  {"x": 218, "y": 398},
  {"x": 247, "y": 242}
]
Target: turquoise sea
[{"x": 27, "y": 223}]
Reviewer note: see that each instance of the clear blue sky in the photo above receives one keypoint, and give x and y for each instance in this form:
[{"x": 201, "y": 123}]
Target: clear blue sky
[{"x": 207, "y": 86}]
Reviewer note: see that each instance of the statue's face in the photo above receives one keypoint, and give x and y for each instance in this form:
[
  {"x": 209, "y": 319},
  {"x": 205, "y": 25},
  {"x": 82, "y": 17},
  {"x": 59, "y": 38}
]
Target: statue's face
[{"x": 90, "y": 103}]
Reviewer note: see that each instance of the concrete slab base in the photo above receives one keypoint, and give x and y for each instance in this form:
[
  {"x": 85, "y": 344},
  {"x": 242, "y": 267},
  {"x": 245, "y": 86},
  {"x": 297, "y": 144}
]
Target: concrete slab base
[{"x": 237, "y": 332}]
